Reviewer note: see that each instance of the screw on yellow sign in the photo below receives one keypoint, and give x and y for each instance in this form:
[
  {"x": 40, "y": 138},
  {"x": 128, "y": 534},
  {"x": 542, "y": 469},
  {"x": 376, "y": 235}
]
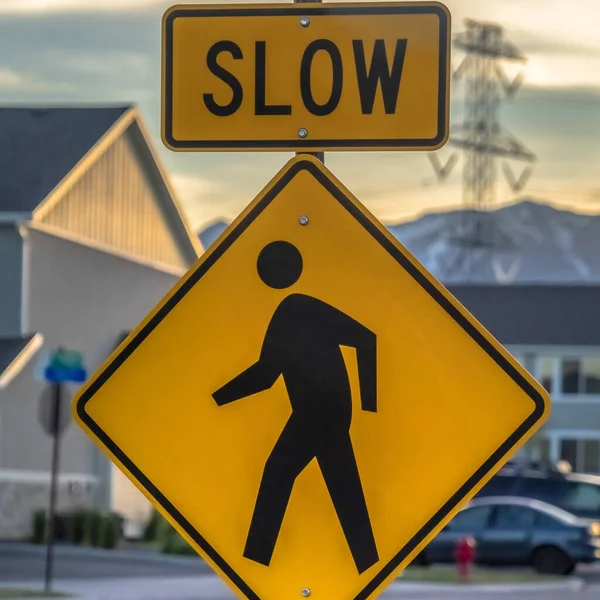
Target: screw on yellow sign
[
  {"x": 308, "y": 406},
  {"x": 306, "y": 77}
]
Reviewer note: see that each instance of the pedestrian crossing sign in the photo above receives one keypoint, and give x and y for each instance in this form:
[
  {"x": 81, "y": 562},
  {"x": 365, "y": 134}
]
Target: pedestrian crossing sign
[{"x": 308, "y": 406}]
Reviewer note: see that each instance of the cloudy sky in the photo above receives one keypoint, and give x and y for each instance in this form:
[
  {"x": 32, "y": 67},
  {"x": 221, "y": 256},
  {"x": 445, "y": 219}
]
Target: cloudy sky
[{"x": 109, "y": 51}]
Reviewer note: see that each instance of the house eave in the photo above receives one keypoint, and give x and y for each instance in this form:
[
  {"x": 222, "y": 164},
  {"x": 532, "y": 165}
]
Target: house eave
[
  {"x": 104, "y": 248},
  {"x": 21, "y": 360},
  {"x": 14, "y": 218}
]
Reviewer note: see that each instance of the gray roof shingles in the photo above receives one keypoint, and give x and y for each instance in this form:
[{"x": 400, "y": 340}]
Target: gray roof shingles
[
  {"x": 10, "y": 348},
  {"x": 552, "y": 315},
  {"x": 40, "y": 146}
]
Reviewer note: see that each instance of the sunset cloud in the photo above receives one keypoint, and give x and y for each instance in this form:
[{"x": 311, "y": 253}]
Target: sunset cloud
[{"x": 110, "y": 51}]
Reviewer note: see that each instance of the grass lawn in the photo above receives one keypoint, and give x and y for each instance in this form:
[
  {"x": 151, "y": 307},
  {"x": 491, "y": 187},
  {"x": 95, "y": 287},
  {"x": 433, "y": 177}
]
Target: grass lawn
[
  {"x": 478, "y": 575},
  {"x": 13, "y": 593}
]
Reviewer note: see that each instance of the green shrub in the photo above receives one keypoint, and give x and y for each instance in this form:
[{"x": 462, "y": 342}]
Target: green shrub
[
  {"x": 93, "y": 526},
  {"x": 154, "y": 527},
  {"x": 175, "y": 544},
  {"x": 110, "y": 531},
  {"x": 79, "y": 525},
  {"x": 38, "y": 534},
  {"x": 63, "y": 527}
]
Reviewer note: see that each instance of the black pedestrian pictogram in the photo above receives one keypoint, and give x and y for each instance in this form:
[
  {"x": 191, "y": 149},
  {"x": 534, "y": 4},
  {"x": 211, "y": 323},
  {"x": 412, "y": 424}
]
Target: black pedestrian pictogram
[{"x": 302, "y": 344}]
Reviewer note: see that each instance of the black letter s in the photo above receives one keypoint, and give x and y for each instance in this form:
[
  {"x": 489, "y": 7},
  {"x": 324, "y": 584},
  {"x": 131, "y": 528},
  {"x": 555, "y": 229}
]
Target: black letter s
[{"x": 230, "y": 79}]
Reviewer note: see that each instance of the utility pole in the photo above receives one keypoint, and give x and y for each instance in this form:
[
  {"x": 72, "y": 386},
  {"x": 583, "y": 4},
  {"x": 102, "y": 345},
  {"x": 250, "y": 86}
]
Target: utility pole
[{"x": 482, "y": 139}]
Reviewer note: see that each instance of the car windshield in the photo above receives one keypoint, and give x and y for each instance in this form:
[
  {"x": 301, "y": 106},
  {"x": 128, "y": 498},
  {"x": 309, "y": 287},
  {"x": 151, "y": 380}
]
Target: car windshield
[{"x": 470, "y": 519}]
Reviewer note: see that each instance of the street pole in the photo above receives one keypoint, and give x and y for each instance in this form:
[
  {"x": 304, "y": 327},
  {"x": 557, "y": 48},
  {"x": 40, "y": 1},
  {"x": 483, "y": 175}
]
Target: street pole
[
  {"x": 318, "y": 155},
  {"x": 57, "y": 389}
]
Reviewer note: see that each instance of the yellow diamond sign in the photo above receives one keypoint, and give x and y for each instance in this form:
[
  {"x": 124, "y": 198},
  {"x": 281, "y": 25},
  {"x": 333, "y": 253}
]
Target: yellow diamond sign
[{"x": 309, "y": 406}]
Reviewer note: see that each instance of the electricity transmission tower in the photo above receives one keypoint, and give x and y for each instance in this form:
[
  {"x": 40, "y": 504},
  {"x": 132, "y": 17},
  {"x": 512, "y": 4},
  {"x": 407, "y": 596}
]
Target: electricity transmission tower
[{"x": 482, "y": 140}]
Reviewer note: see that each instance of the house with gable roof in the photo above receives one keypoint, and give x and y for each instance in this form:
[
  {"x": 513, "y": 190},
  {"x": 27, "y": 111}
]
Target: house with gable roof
[{"x": 91, "y": 238}]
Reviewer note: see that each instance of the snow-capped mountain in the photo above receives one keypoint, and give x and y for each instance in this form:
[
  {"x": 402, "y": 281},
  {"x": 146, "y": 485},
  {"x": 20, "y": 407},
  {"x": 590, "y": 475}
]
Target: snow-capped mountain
[{"x": 527, "y": 242}]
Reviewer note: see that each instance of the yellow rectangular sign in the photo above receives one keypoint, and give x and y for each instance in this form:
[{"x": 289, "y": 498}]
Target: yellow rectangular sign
[{"x": 306, "y": 77}]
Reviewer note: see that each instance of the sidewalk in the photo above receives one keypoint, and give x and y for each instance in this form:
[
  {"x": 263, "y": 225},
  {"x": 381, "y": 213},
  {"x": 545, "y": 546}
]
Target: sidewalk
[
  {"x": 210, "y": 587},
  {"x": 148, "y": 588}
]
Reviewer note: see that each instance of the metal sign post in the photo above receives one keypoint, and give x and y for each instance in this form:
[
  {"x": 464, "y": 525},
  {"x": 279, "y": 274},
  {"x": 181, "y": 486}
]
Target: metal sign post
[
  {"x": 318, "y": 155},
  {"x": 63, "y": 367},
  {"x": 55, "y": 431}
]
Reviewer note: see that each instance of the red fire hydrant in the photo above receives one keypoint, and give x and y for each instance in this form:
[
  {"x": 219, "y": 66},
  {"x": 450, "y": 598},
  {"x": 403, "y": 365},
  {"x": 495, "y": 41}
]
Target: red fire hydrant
[{"x": 465, "y": 556}]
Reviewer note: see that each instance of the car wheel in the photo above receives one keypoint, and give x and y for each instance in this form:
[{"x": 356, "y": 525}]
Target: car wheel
[{"x": 552, "y": 561}]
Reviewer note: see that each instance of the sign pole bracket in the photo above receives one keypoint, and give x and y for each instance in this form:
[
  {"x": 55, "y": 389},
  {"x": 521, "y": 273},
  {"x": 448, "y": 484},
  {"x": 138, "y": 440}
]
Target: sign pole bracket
[{"x": 318, "y": 155}]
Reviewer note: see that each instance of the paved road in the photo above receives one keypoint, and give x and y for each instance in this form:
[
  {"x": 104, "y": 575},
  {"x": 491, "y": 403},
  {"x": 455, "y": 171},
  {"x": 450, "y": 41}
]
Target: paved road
[
  {"x": 24, "y": 562},
  {"x": 589, "y": 573},
  {"x": 137, "y": 575}
]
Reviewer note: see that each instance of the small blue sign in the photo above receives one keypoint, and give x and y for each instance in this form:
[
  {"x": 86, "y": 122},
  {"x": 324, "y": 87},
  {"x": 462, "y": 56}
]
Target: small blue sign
[
  {"x": 65, "y": 366},
  {"x": 65, "y": 374}
]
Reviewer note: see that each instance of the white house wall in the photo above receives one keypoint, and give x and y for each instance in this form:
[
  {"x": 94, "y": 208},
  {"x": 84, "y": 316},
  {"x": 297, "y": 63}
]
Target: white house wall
[
  {"x": 113, "y": 204},
  {"x": 83, "y": 299},
  {"x": 575, "y": 414}
]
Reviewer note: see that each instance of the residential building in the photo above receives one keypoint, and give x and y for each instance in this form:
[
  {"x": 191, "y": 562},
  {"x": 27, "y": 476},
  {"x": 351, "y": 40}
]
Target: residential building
[
  {"x": 91, "y": 238},
  {"x": 554, "y": 331}
]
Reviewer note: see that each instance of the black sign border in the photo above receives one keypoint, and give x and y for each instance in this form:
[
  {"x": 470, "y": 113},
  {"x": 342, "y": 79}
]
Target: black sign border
[
  {"x": 305, "y": 144},
  {"x": 440, "y": 297}
]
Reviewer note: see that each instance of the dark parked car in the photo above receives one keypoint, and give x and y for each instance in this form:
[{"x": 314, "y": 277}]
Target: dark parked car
[
  {"x": 519, "y": 531},
  {"x": 574, "y": 492}
]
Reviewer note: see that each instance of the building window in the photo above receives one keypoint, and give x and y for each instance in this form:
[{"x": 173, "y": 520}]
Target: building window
[
  {"x": 591, "y": 456},
  {"x": 591, "y": 373},
  {"x": 568, "y": 452},
  {"x": 536, "y": 449},
  {"x": 571, "y": 376},
  {"x": 581, "y": 375},
  {"x": 582, "y": 455},
  {"x": 542, "y": 449},
  {"x": 545, "y": 374}
]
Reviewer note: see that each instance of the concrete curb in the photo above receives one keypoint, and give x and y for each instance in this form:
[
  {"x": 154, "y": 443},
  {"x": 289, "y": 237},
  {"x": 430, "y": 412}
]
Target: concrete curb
[{"x": 570, "y": 584}]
